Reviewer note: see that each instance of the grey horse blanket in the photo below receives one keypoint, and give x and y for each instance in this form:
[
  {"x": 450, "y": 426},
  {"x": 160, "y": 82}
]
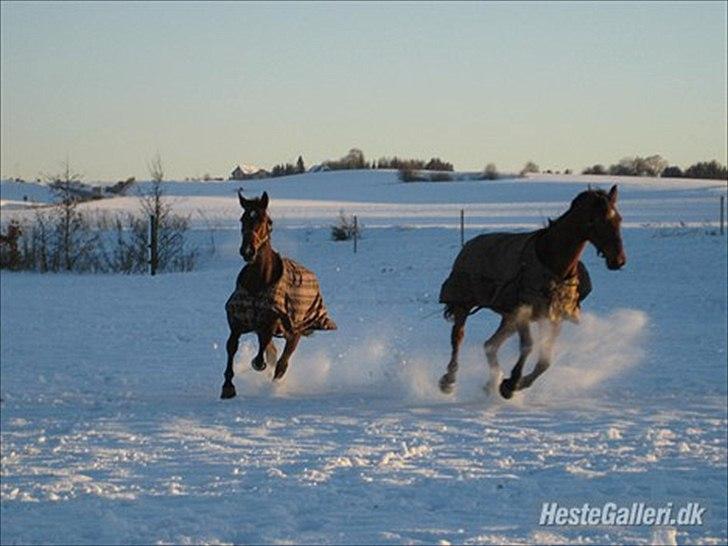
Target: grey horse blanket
[
  {"x": 501, "y": 271},
  {"x": 295, "y": 299}
]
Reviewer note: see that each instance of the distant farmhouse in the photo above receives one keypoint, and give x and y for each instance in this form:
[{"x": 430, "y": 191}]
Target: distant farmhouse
[{"x": 248, "y": 172}]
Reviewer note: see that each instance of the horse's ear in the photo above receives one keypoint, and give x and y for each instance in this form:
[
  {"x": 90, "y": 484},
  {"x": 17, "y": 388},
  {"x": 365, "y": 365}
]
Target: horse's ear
[
  {"x": 264, "y": 200},
  {"x": 243, "y": 200},
  {"x": 613, "y": 195}
]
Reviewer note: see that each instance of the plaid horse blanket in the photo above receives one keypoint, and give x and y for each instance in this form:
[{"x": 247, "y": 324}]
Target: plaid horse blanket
[
  {"x": 501, "y": 271},
  {"x": 295, "y": 299}
]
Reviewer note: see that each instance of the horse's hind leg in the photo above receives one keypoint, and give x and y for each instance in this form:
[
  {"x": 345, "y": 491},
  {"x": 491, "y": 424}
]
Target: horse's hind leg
[
  {"x": 526, "y": 345},
  {"x": 271, "y": 354},
  {"x": 544, "y": 354},
  {"x": 228, "y": 389},
  {"x": 282, "y": 366},
  {"x": 447, "y": 381},
  {"x": 505, "y": 330}
]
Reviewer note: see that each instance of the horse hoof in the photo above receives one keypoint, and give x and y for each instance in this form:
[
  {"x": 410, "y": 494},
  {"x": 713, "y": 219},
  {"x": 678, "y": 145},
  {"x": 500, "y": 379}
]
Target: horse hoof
[
  {"x": 506, "y": 390},
  {"x": 446, "y": 386},
  {"x": 280, "y": 371},
  {"x": 228, "y": 391},
  {"x": 258, "y": 364}
]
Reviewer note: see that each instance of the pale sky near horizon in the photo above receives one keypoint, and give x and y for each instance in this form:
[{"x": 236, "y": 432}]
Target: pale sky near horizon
[{"x": 211, "y": 85}]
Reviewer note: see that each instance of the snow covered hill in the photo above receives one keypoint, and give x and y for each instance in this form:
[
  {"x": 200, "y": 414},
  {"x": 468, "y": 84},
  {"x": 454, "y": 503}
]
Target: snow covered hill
[
  {"x": 381, "y": 200},
  {"x": 22, "y": 194},
  {"x": 112, "y": 430}
]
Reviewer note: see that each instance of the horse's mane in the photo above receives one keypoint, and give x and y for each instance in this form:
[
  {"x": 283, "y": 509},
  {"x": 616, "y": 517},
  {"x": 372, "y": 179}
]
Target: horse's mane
[{"x": 587, "y": 196}]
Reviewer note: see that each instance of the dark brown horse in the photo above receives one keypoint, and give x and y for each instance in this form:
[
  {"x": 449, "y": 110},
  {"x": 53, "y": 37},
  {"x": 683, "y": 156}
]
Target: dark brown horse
[
  {"x": 274, "y": 296},
  {"x": 526, "y": 277}
]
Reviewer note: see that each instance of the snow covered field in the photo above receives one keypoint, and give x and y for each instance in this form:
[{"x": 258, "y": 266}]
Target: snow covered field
[{"x": 112, "y": 430}]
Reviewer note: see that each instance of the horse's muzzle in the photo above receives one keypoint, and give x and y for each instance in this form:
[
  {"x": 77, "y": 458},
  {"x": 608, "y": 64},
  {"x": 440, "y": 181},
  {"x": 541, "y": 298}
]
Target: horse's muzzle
[
  {"x": 248, "y": 253},
  {"x": 617, "y": 262}
]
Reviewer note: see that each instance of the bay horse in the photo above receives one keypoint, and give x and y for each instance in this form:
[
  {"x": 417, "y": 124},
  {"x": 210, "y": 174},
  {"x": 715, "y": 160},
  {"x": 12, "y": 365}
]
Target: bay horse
[
  {"x": 527, "y": 277},
  {"x": 273, "y": 297}
]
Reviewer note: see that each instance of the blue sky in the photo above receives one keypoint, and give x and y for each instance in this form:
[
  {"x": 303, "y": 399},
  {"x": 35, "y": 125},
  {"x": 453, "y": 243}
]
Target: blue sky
[{"x": 211, "y": 85}]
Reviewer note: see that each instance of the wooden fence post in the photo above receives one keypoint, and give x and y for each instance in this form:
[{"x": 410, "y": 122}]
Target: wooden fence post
[
  {"x": 356, "y": 232},
  {"x": 153, "y": 242},
  {"x": 462, "y": 227}
]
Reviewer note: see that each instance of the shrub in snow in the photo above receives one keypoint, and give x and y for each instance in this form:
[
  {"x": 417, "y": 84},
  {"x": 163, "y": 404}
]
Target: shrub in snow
[
  {"x": 490, "y": 172},
  {"x": 53, "y": 241},
  {"x": 345, "y": 228},
  {"x": 530, "y": 167},
  {"x": 440, "y": 177},
  {"x": 9, "y": 254},
  {"x": 62, "y": 238},
  {"x": 409, "y": 175}
]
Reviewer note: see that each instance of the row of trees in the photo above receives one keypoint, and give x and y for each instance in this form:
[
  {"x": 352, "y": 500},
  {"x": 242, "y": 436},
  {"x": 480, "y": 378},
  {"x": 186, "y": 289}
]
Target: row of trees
[
  {"x": 702, "y": 169},
  {"x": 355, "y": 159},
  {"x": 410, "y": 168},
  {"x": 656, "y": 165},
  {"x": 285, "y": 169},
  {"x": 434, "y": 164}
]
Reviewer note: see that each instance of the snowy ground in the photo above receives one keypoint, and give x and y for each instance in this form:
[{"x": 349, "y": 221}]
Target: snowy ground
[{"x": 112, "y": 430}]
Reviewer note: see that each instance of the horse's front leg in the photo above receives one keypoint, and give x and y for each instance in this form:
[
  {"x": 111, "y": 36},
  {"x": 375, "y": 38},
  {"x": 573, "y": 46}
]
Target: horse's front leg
[
  {"x": 447, "y": 381},
  {"x": 526, "y": 345},
  {"x": 228, "y": 389},
  {"x": 282, "y": 365},
  {"x": 544, "y": 354},
  {"x": 265, "y": 337}
]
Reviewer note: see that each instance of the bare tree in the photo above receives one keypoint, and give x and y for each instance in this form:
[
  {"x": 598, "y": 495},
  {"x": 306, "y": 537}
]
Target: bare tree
[
  {"x": 654, "y": 165},
  {"x": 71, "y": 231},
  {"x": 639, "y": 166},
  {"x": 172, "y": 252},
  {"x": 153, "y": 201}
]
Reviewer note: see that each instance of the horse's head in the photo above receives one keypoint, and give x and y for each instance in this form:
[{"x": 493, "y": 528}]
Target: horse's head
[
  {"x": 602, "y": 224},
  {"x": 256, "y": 225}
]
